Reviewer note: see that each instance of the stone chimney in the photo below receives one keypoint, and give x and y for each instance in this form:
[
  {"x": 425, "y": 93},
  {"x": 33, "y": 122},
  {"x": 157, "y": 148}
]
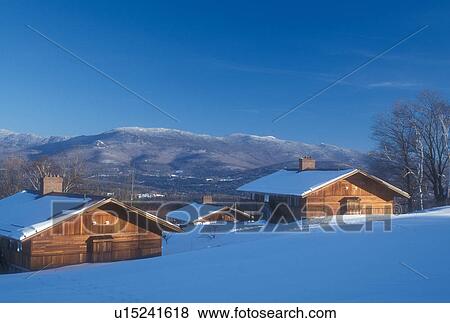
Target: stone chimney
[
  {"x": 306, "y": 163},
  {"x": 50, "y": 184},
  {"x": 207, "y": 199}
]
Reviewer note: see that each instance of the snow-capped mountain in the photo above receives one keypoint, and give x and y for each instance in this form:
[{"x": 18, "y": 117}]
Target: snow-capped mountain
[
  {"x": 176, "y": 148},
  {"x": 12, "y": 141},
  {"x": 176, "y": 160},
  {"x": 168, "y": 150}
]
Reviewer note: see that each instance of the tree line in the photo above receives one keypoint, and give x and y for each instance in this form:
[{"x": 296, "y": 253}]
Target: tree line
[
  {"x": 413, "y": 148},
  {"x": 17, "y": 173}
]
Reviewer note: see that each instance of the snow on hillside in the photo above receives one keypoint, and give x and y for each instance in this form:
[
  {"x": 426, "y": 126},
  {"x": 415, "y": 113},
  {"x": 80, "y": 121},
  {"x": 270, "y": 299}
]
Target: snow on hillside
[
  {"x": 411, "y": 263},
  {"x": 155, "y": 131},
  {"x": 211, "y": 236},
  {"x": 13, "y": 141},
  {"x": 177, "y": 149}
]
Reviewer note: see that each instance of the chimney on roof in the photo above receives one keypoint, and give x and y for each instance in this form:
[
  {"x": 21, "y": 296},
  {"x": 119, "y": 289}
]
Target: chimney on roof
[
  {"x": 50, "y": 184},
  {"x": 306, "y": 162},
  {"x": 207, "y": 199}
]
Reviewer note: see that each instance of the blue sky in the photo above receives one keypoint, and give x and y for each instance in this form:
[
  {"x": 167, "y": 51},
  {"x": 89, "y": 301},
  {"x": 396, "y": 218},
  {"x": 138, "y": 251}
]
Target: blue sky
[{"x": 219, "y": 68}]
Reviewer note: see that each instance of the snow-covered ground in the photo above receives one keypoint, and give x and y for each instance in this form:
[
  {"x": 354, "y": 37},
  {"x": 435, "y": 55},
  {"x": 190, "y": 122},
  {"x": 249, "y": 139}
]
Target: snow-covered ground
[{"x": 411, "y": 263}]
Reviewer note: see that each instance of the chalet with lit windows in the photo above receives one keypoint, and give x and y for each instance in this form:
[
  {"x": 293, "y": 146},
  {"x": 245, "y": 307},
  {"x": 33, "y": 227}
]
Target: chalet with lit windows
[
  {"x": 310, "y": 192},
  {"x": 53, "y": 229}
]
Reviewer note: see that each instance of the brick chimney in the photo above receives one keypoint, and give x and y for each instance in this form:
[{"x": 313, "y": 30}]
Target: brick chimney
[
  {"x": 51, "y": 184},
  {"x": 306, "y": 163},
  {"x": 207, "y": 199}
]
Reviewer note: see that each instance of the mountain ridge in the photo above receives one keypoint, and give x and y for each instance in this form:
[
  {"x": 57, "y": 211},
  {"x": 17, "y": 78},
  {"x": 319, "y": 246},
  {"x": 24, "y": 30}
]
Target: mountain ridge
[{"x": 175, "y": 157}]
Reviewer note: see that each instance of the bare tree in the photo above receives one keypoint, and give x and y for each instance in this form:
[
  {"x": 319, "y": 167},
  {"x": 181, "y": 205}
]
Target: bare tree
[
  {"x": 419, "y": 162},
  {"x": 37, "y": 169},
  {"x": 16, "y": 173},
  {"x": 394, "y": 136},
  {"x": 413, "y": 146},
  {"x": 12, "y": 178},
  {"x": 431, "y": 121},
  {"x": 73, "y": 170},
  {"x": 70, "y": 168}
]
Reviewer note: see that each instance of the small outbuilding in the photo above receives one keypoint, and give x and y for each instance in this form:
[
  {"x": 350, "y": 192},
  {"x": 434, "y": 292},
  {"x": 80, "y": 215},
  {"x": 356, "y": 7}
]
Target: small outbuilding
[{"x": 197, "y": 213}]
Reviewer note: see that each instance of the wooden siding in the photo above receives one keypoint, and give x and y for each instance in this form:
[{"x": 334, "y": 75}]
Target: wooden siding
[
  {"x": 341, "y": 197},
  {"x": 109, "y": 233},
  {"x": 333, "y": 199}
]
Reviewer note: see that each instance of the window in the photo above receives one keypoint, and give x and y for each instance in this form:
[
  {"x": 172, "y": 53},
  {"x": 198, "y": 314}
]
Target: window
[
  {"x": 353, "y": 207},
  {"x": 350, "y": 205}
]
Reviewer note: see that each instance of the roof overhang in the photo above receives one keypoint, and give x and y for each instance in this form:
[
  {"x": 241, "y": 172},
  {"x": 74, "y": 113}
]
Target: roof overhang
[
  {"x": 357, "y": 171},
  {"x": 222, "y": 210},
  {"x": 39, "y": 227},
  {"x": 164, "y": 225}
]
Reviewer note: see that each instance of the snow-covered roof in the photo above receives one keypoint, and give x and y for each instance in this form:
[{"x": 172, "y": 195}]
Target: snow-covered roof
[
  {"x": 301, "y": 183},
  {"x": 193, "y": 211},
  {"x": 287, "y": 182},
  {"x": 26, "y": 213}
]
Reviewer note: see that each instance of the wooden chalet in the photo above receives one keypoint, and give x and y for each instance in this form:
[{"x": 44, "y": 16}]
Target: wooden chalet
[
  {"x": 310, "y": 192},
  {"x": 52, "y": 229}
]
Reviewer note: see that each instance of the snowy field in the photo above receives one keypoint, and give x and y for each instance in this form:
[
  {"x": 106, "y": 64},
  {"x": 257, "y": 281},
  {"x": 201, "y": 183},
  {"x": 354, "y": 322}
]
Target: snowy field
[{"x": 409, "y": 264}]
